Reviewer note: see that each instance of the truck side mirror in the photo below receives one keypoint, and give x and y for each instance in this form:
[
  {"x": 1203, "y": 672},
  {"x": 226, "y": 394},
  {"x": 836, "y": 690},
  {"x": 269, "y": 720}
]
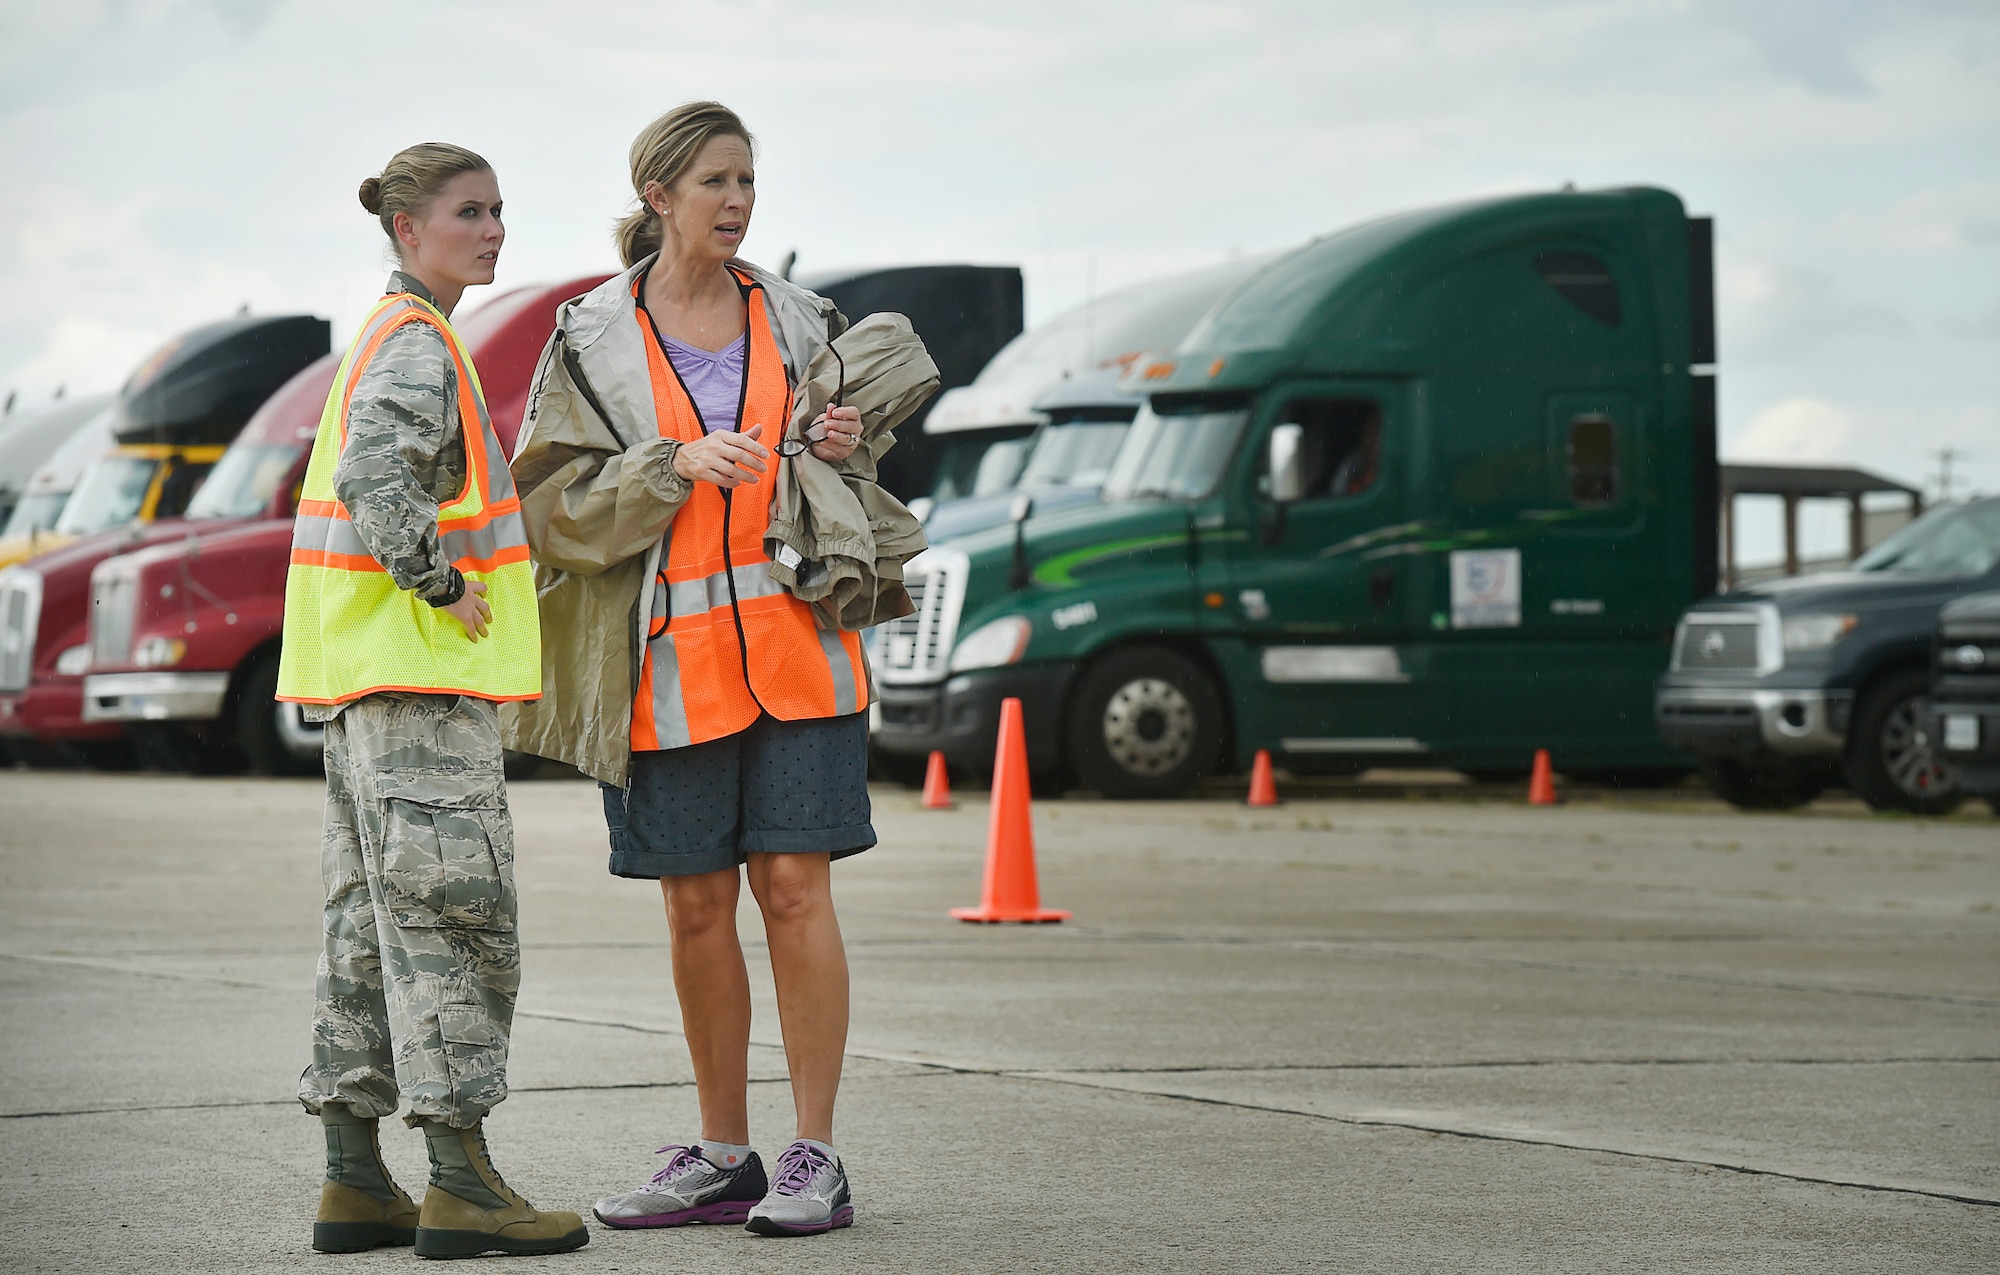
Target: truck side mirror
[
  {"x": 1286, "y": 463},
  {"x": 1019, "y": 511}
]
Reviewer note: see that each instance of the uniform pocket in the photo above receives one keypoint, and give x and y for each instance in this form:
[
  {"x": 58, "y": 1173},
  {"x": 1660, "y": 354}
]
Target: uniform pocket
[
  {"x": 475, "y": 1055},
  {"x": 447, "y": 849}
]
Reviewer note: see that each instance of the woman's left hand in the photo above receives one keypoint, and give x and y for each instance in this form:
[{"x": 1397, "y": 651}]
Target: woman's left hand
[{"x": 843, "y": 433}]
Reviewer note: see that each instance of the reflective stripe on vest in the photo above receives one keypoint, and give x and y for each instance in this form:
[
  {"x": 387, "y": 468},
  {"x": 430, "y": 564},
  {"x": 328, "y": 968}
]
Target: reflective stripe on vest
[
  {"x": 692, "y": 683},
  {"x": 349, "y": 630}
]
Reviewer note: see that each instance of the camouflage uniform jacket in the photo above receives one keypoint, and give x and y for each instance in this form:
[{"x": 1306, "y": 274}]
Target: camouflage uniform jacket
[{"x": 404, "y": 456}]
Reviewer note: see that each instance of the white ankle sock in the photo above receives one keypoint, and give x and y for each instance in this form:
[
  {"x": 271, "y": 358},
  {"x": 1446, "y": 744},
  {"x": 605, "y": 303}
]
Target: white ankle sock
[{"x": 723, "y": 1155}]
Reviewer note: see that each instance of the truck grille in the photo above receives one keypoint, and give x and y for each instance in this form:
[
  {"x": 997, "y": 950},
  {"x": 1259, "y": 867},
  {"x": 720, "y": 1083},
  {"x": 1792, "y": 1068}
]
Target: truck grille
[
  {"x": 917, "y": 647},
  {"x": 20, "y": 617},
  {"x": 1967, "y": 670},
  {"x": 113, "y": 599},
  {"x": 1723, "y": 642}
]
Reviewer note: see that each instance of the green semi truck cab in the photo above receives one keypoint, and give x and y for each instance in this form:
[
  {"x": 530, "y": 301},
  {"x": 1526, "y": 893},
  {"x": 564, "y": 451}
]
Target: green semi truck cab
[{"x": 1432, "y": 490}]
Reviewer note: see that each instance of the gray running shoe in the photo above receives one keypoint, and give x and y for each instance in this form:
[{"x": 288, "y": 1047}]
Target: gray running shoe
[
  {"x": 808, "y": 1194},
  {"x": 689, "y": 1189}
]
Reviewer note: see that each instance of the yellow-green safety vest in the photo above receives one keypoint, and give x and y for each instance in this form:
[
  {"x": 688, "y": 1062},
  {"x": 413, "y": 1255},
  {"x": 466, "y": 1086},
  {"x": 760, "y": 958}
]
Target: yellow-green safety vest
[{"x": 349, "y": 630}]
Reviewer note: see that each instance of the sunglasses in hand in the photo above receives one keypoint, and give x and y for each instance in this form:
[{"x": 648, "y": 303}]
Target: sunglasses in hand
[{"x": 791, "y": 447}]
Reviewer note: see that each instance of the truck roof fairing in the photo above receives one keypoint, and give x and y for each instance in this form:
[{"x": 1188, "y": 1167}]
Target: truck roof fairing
[{"x": 202, "y": 386}]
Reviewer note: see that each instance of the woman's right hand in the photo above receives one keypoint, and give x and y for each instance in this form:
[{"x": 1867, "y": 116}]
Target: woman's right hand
[
  {"x": 724, "y": 458},
  {"x": 471, "y": 610}
]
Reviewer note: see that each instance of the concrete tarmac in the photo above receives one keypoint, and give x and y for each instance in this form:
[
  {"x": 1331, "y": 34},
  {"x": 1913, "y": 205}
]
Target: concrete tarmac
[{"x": 1340, "y": 1035}]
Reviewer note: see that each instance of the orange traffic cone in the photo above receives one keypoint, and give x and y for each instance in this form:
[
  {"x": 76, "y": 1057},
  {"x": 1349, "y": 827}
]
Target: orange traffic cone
[
  {"x": 937, "y": 784},
  {"x": 1263, "y": 789},
  {"x": 1542, "y": 782},
  {"x": 1010, "y": 892}
]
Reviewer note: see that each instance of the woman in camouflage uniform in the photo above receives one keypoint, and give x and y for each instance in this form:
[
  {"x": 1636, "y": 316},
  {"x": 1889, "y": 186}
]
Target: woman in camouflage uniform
[{"x": 415, "y": 996}]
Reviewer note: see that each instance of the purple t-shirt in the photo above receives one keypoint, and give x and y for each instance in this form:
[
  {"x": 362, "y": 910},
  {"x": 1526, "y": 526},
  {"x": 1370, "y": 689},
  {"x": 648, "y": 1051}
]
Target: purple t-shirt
[{"x": 714, "y": 379}]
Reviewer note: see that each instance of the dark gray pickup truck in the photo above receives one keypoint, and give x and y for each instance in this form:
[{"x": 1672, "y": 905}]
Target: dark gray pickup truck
[
  {"x": 1786, "y": 687},
  {"x": 1965, "y": 693}
]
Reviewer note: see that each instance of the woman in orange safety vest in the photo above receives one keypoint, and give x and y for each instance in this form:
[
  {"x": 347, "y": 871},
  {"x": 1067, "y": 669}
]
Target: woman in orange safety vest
[{"x": 726, "y": 726}]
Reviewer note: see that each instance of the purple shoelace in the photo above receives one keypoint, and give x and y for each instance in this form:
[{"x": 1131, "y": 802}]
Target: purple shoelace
[
  {"x": 681, "y": 1158},
  {"x": 796, "y": 1168}
]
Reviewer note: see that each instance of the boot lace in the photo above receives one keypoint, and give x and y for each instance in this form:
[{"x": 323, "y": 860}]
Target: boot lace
[{"x": 799, "y": 1164}]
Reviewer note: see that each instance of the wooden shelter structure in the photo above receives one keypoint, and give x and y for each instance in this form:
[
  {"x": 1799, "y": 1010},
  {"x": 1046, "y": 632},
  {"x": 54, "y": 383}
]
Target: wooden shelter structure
[{"x": 1794, "y": 483}]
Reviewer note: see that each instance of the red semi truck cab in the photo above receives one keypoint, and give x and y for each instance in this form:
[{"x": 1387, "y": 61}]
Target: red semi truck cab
[
  {"x": 172, "y": 419},
  {"x": 184, "y": 634}
]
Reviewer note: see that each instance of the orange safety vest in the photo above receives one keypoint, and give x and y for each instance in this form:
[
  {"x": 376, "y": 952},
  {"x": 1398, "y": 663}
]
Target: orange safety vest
[
  {"x": 349, "y": 630},
  {"x": 693, "y": 686}
]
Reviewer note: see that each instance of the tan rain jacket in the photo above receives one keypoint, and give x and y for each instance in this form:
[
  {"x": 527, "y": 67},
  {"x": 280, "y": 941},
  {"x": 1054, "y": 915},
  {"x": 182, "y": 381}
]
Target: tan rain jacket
[
  {"x": 598, "y": 488},
  {"x": 836, "y": 539}
]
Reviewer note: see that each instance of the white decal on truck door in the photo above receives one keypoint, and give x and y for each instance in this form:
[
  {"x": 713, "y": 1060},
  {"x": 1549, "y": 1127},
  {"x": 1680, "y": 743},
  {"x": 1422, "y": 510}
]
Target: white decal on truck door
[{"x": 1486, "y": 589}]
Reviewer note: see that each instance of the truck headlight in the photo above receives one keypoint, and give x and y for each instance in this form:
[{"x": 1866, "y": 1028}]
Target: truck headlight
[
  {"x": 158, "y": 652},
  {"x": 1816, "y": 632},
  {"x": 1004, "y": 641},
  {"x": 74, "y": 662}
]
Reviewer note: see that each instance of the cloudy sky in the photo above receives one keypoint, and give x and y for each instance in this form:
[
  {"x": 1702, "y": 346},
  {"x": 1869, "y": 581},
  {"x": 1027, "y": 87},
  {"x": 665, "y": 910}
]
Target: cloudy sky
[{"x": 167, "y": 161}]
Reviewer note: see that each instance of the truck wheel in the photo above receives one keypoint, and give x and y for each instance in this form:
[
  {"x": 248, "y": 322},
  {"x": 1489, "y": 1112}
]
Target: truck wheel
[
  {"x": 1144, "y": 723},
  {"x": 108, "y": 754},
  {"x": 897, "y": 768},
  {"x": 1761, "y": 788},
  {"x": 1890, "y": 762},
  {"x": 275, "y": 738},
  {"x": 178, "y": 748}
]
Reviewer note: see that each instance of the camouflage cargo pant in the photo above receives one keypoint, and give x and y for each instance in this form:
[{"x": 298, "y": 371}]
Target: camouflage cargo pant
[{"x": 421, "y": 965}]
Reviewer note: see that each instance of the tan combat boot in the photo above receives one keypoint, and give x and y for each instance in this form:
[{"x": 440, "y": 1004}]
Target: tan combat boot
[
  {"x": 468, "y": 1210},
  {"x": 360, "y": 1207}
]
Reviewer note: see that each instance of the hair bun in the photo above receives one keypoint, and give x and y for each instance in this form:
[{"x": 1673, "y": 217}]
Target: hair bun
[{"x": 371, "y": 195}]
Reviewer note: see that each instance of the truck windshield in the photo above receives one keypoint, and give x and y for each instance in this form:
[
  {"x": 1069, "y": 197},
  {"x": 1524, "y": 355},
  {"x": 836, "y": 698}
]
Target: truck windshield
[
  {"x": 111, "y": 492},
  {"x": 1960, "y": 541},
  {"x": 243, "y": 481},
  {"x": 978, "y": 463},
  {"x": 1073, "y": 454},
  {"x": 37, "y": 511},
  {"x": 1174, "y": 454}
]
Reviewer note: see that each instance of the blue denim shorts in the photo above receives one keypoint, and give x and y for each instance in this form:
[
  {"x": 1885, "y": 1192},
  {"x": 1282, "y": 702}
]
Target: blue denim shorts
[{"x": 773, "y": 788}]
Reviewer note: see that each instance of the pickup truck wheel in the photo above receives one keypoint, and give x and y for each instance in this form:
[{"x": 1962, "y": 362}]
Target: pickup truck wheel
[
  {"x": 1761, "y": 788},
  {"x": 1890, "y": 762},
  {"x": 275, "y": 738},
  {"x": 1143, "y": 723}
]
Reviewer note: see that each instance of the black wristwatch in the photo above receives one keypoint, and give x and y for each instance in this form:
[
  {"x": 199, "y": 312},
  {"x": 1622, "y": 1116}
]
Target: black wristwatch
[{"x": 451, "y": 594}]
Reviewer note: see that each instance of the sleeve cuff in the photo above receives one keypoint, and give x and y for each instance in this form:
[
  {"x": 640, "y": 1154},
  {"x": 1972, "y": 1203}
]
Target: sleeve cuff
[
  {"x": 672, "y": 486},
  {"x": 453, "y": 590}
]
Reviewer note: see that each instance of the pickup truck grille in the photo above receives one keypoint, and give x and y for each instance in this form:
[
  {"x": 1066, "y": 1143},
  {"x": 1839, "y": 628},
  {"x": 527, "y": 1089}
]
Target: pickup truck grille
[
  {"x": 1967, "y": 669},
  {"x": 112, "y": 604},
  {"x": 917, "y": 648},
  {"x": 1720, "y": 642},
  {"x": 20, "y": 618}
]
